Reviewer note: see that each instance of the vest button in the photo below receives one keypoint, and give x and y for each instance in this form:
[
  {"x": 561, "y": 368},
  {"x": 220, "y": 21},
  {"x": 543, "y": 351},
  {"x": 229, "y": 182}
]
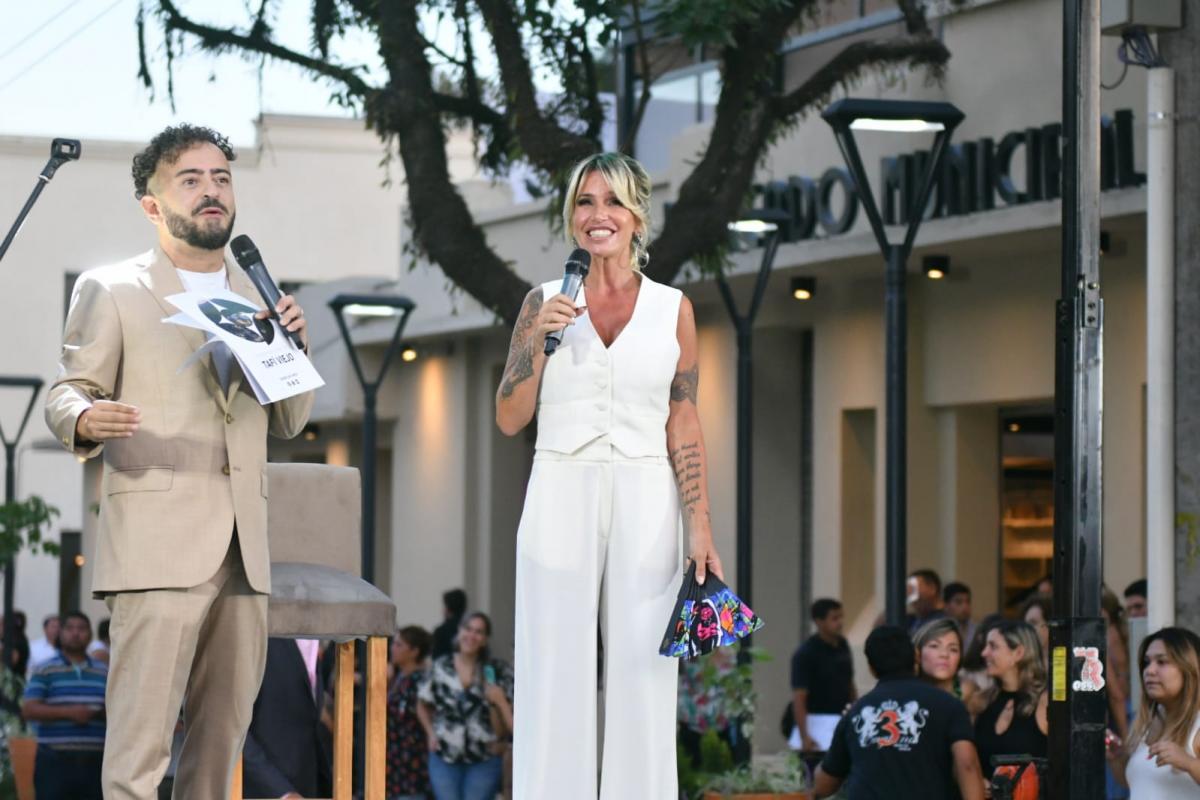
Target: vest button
[
  {"x": 225, "y": 470},
  {"x": 228, "y": 419}
]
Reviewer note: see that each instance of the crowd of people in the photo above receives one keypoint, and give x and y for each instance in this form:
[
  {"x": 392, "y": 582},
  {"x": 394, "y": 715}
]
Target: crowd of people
[
  {"x": 953, "y": 699},
  {"x": 449, "y": 714},
  {"x": 956, "y": 699}
]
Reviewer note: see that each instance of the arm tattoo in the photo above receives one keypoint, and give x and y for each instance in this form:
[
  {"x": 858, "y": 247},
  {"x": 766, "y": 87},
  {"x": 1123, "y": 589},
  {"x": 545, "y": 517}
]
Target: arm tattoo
[
  {"x": 683, "y": 386},
  {"x": 520, "y": 351},
  {"x": 685, "y": 459}
]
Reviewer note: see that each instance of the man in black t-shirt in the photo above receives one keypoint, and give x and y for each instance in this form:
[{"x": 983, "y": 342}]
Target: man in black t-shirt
[
  {"x": 822, "y": 679},
  {"x": 454, "y": 605},
  {"x": 904, "y": 740}
]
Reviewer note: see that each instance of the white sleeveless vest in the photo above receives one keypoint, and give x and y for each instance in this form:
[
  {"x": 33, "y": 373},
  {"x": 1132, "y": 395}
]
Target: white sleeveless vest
[{"x": 623, "y": 391}]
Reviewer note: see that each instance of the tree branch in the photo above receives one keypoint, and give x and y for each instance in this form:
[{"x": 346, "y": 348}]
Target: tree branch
[
  {"x": 914, "y": 17},
  {"x": 443, "y": 226},
  {"x": 548, "y": 146},
  {"x": 225, "y": 39},
  {"x": 647, "y": 78},
  {"x": 747, "y": 118},
  {"x": 852, "y": 61},
  {"x": 478, "y": 112}
]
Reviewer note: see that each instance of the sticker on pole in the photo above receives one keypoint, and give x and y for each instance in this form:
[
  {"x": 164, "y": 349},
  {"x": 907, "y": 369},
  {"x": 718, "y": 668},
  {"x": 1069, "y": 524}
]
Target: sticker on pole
[
  {"x": 1058, "y": 674},
  {"x": 1091, "y": 675}
]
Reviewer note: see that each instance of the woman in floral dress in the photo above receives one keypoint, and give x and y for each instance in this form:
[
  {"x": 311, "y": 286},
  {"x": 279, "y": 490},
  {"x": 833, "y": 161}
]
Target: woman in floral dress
[{"x": 407, "y": 754}]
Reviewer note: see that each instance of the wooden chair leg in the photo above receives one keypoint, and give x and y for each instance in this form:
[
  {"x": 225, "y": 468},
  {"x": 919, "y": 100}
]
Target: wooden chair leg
[
  {"x": 235, "y": 792},
  {"x": 343, "y": 723},
  {"x": 376, "y": 711}
]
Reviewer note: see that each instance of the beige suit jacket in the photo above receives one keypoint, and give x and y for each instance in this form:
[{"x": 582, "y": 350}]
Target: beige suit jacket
[{"x": 171, "y": 493}]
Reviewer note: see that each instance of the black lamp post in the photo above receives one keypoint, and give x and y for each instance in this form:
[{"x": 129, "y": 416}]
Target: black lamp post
[
  {"x": 900, "y": 116},
  {"x": 1078, "y": 704},
  {"x": 764, "y": 223},
  {"x": 365, "y": 306},
  {"x": 34, "y": 385}
]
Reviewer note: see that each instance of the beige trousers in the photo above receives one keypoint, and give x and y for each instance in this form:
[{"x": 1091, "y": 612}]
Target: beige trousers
[{"x": 204, "y": 648}]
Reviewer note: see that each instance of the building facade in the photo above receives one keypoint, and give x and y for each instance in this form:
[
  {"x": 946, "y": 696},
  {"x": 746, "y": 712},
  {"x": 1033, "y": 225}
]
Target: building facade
[{"x": 981, "y": 346}]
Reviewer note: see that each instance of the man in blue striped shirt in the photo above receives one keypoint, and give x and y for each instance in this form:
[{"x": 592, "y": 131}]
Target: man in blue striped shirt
[{"x": 64, "y": 700}]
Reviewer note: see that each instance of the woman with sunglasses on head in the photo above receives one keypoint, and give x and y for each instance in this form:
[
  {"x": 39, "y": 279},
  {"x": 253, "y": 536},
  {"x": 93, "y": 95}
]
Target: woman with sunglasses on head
[
  {"x": 1011, "y": 715},
  {"x": 1159, "y": 760}
]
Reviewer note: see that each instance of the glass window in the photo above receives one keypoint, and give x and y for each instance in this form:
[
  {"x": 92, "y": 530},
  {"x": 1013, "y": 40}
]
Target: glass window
[
  {"x": 710, "y": 92},
  {"x": 673, "y": 106}
]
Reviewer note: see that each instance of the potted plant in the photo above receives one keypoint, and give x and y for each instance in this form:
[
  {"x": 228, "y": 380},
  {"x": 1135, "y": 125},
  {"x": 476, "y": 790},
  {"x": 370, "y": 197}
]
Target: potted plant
[
  {"x": 779, "y": 779},
  {"x": 726, "y": 691},
  {"x": 21, "y": 524}
]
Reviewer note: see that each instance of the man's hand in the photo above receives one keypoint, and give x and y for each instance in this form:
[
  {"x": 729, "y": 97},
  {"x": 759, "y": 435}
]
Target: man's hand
[
  {"x": 82, "y": 715},
  {"x": 808, "y": 744},
  {"x": 107, "y": 419},
  {"x": 291, "y": 317}
]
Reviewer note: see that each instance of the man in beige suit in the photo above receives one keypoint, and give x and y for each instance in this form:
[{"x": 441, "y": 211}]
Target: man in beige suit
[{"x": 181, "y": 554}]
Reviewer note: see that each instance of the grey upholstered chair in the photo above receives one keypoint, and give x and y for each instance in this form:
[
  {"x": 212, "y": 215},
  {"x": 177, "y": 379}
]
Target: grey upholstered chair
[{"x": 313, "y": 521}]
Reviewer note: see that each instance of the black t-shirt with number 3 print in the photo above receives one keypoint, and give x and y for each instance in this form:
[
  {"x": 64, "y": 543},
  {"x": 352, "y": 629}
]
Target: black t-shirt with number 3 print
[{"x": 894, "y": 743}]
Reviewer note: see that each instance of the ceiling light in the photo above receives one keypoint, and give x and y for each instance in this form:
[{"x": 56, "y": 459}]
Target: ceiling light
[
  {"x": 936, "y": 267},
  {"x": 804, "y": 287},
  {"x": 408, "y": 354}
]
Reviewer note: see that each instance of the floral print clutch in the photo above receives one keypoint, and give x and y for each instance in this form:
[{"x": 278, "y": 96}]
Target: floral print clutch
[{"x": 706, "y": 617}]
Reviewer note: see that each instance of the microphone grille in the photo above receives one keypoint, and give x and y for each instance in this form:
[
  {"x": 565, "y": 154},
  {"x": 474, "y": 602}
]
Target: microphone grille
[
  {"x": 580, "y": 260},
  {"x": 244, "y": 250}
]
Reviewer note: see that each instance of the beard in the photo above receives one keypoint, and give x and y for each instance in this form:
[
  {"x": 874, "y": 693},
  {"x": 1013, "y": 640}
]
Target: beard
[{"x": 201, "y": 235}]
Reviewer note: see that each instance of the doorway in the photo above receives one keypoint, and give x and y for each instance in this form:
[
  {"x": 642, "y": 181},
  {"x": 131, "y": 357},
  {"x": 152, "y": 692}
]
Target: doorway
[{"x": 1026, "y": 503}]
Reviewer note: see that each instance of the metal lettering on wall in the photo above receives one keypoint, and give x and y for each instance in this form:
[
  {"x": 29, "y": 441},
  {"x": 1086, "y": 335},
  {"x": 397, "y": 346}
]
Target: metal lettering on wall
[{"x": 971, "y": 179}]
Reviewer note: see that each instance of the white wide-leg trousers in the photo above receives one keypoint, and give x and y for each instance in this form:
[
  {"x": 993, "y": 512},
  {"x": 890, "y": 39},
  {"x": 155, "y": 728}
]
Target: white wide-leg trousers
[{"x": 599, "y": 538}]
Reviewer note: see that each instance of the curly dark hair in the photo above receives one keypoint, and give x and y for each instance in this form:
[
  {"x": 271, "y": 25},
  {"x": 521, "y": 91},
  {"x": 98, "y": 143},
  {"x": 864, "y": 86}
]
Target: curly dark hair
[{"x": 167, "y": 146}]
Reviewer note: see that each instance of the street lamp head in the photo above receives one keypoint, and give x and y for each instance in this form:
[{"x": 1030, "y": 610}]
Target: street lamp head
[
  {"x": 852, "y": 114},
  {"x": 903, "y": 116},
  {"x": 370, "y": 305},
  {"x": 758, "y": 220},
  {"x": 896, "y": 125},
  {"x": 752, "y": 226}
]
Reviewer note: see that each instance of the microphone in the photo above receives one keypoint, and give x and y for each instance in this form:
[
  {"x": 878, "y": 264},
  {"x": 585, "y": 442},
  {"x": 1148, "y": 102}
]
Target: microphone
[
  {"x": 574, "y": 271},
  {"x": 248, "y": 257}
]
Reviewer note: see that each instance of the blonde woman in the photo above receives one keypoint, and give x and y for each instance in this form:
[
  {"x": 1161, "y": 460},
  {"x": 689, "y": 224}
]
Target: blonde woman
[
  {"x": 939, "y": 656},
  {"x": 1011, "y": 715},
  {"x": 1159, "y": 760},
  {"x": 619, "y": 456}
]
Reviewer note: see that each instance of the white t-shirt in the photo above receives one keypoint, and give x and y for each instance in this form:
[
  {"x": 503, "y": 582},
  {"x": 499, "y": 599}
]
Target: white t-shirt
[
  {"x": 203, "y": 283},
  {"x": 40, "y": 651}
]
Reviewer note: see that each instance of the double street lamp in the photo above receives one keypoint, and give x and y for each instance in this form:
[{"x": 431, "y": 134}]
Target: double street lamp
[
  {"x": 364, "y": 306},
  {"x": 899, "y": 116}
]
